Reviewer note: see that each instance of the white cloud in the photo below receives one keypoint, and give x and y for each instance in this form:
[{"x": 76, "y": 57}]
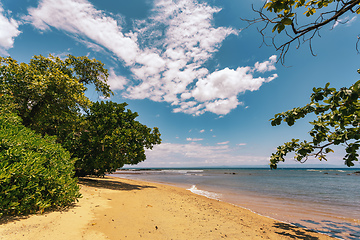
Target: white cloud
[
  {"x": 241, "y": 144},
  {"x": 195, "y": 154},
  {"x": 267, "y": 65},
  {"x": 346, "y": 20},
  {"x": 202, "y": 130},
  {"x": 194, "y": 139},
  {"x": 165, "y": 53},
  {"x": 116, "y": 82},
  {"x": 81, "y": 18},
  {"x": 8, "y": 31},
  {"x": 218, "y": 91},
  {"x": 223, "y": 143}
]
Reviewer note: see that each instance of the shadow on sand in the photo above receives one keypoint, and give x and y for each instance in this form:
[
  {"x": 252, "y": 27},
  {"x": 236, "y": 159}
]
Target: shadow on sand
[
  {"x": 6, "y": 219},
  {"x": 92, "y": 182},
  {"x": 342, "y": 230},
  {"x": 294, "y": 232},
  {"x": 111, "y": 184},
  {"x": 15, "y": 218}
]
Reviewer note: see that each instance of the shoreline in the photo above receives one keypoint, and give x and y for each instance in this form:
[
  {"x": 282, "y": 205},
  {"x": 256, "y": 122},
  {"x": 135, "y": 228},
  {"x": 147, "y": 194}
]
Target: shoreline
[
  {"x": 314, "y": 212},
  {"x": 119, "y": 208}
]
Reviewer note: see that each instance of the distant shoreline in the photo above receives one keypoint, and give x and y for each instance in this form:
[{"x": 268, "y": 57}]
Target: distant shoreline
[{"x": 295, "y": 166}]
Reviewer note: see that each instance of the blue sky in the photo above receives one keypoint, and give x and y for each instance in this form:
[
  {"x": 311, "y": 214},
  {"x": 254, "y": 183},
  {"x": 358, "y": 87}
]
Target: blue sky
[{"x": 187, "y": 68}]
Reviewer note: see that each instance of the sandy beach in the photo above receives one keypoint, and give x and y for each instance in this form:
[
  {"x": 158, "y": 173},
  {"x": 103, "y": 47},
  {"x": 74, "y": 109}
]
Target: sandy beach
[{"x": 116, "y": 208}]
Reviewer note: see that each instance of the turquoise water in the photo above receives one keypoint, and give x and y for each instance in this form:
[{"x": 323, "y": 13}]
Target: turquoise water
[{"x": 325, "y": 200}]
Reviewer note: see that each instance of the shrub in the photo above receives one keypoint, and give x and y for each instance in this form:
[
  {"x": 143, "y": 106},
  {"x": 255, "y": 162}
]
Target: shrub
[{"x": 36, "y": 173}]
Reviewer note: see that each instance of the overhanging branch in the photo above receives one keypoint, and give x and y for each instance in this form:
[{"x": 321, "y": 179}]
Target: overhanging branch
[{"x": 300, "y": 33}]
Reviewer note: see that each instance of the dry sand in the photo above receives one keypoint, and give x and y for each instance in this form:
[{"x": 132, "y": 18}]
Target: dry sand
[{"x": 115, "y": 208}]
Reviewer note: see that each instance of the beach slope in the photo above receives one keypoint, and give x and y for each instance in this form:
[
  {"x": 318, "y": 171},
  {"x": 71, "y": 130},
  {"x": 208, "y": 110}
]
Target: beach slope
[{"x": 116, "y": 208}]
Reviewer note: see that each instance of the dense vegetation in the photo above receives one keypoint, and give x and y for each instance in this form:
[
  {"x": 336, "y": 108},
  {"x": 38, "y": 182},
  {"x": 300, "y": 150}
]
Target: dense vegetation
[
  {"x": 51, "y": 132},
  {"x": 36, "y": 173}
]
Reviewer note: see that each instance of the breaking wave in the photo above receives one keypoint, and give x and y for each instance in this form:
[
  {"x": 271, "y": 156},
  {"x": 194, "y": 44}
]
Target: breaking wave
[{"x": 207, "y": 194}]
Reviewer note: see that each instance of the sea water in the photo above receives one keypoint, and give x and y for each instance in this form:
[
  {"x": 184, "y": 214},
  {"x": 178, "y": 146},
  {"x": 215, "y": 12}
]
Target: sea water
[{"x": 324, "y": 200}]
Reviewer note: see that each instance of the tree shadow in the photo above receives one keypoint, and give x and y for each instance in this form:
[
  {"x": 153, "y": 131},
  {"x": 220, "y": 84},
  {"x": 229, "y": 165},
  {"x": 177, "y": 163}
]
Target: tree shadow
[
  {"x": 15, "y": 218},
  {"x": 342, "y": 230},
  {"x": 294, "y": 232},
  {"x": 6, "y": 219},
  {"x": 91, "y": 182},
  {"x": 111, "y": 184}
]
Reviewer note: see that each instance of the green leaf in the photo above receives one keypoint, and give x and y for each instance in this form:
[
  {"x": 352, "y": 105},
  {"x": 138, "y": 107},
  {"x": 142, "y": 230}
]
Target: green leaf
[
  {"x": 286, "y": 21},
  {"x": 280, "y": 28}
]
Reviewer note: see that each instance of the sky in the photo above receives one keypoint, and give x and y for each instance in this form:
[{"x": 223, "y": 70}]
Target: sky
[{"x": 190, "y": 68}]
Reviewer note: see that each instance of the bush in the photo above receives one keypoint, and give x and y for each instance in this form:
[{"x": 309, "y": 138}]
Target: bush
[{"x": 36, "y": 173}]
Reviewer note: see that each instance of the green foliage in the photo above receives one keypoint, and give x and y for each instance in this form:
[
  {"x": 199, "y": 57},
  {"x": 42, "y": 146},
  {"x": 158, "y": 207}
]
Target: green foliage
[
  {"x": 286, "y": 15},
  {"x": 338, "y": 122},
  {"x": 49, "y": 93},
  {"x": 35, "y": 172},
  {"x": 110, "y": 139},
  {"x": 49, "y": 96}
]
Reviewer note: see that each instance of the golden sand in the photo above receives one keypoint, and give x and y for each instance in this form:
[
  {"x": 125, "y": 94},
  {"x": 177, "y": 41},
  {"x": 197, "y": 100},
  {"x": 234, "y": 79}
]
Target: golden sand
[{"x": 116, "y": 208}]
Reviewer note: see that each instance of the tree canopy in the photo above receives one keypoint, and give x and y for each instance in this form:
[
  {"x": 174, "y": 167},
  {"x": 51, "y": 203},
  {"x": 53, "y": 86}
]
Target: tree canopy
[
  {"x": 284, "y": 16},
  {"x": 111, "y": 138},
  {"x": 48, "y": 94}
]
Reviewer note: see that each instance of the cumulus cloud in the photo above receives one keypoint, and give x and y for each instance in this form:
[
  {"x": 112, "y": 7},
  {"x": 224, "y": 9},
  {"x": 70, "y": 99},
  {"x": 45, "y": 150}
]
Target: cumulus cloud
[
  {"x": 266, "y": 66},
  {"x": 165, "y": 53},
  {"x": 8, "y": 31}
]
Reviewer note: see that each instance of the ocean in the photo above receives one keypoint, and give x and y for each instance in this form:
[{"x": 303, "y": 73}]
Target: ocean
[{"x": 323, "y": 200}]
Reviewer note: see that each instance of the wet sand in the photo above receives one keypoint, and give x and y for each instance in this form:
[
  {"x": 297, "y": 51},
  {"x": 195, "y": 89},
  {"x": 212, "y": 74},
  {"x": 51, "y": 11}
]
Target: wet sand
[{"x": 116, "y": 208}]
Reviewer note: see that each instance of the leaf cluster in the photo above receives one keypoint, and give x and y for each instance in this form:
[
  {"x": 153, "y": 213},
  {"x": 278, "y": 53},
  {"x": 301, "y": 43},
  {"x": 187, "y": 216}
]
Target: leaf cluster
[
  {"x": 338, "y": 122},
  {"x": 111, "y": 138},
  {"x": 49, "y": 93},
  {"x": 36, "y": 173}
]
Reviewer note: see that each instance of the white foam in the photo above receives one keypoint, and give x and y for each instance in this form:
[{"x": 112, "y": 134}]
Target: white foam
[{"x": 207, "y": 194}]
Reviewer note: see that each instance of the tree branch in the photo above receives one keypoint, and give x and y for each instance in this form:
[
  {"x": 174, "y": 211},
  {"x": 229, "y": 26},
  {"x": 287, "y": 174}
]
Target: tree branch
[{"x": 341, "y": 8}]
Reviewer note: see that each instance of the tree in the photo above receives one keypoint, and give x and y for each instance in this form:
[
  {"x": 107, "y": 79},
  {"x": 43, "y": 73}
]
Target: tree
[
  {"x": 49, "y": 93},
  {"x": 338, "y": 112},
  {"x": 285, "y": 19},
  {"x": 110, "y": 139},
  {"x": 338, "y": 122},
  {"x": 49, "y": 96}
]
